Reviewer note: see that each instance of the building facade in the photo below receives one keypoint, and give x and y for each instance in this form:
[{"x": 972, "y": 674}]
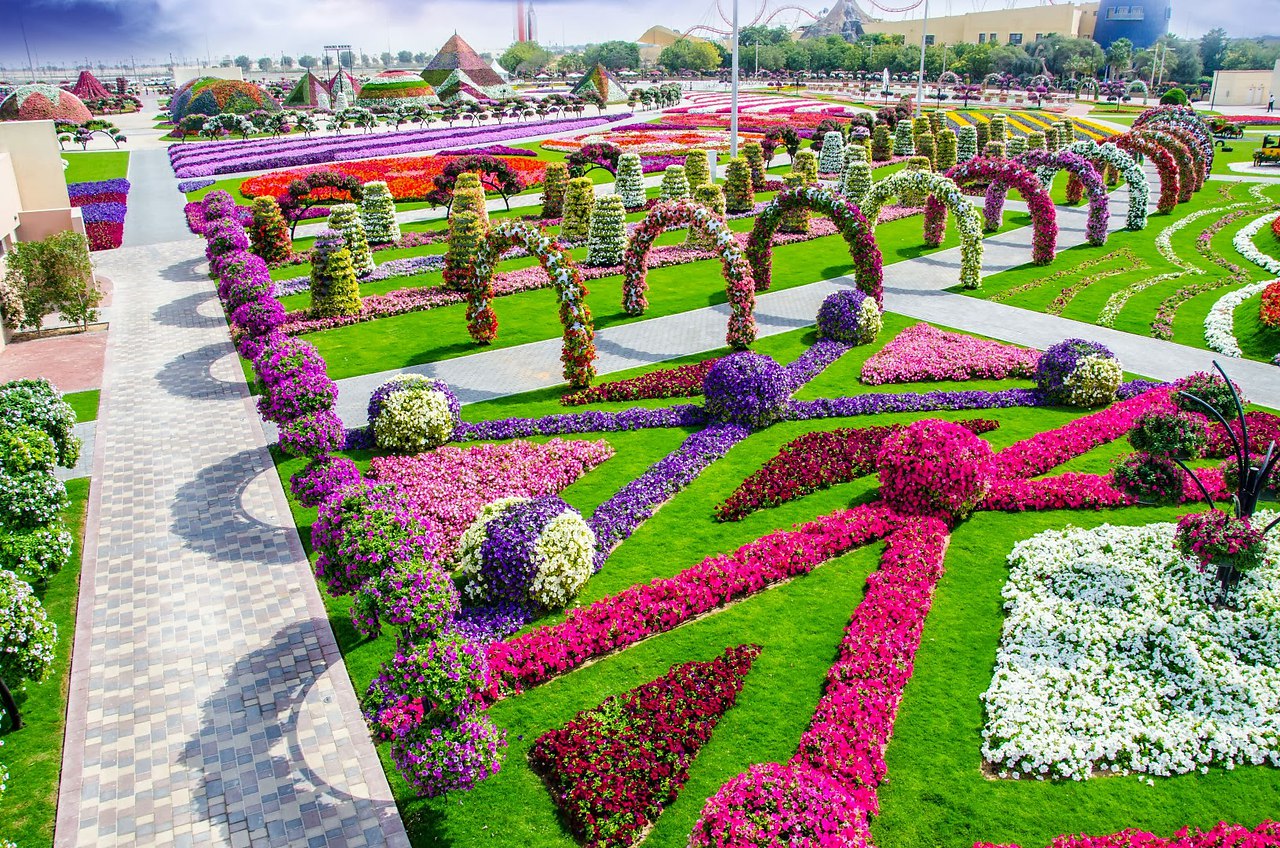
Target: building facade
[
  {"x": 1001, "y": 26},
  {"x": 1245, "y": 88},
  {"x": 1141, "y": 21}
]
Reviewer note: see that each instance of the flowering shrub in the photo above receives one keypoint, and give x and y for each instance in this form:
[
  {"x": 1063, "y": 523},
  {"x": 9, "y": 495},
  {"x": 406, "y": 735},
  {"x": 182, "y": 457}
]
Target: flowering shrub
[
  {"x": 269, "y": 234},
  {"x": 363, "y": 531},
  {"x": 1218, "y": 538},
  {"x": 1107, "y": 155},
  {"x": 579, "y": 200},
  {"x": 680, "y": 381},
  {"x": 457, "y": 754},
  {"x": 849, "y": 316},
  {"x": 36, "y": 403},
  {"x": 739, "y": 287},
  {"x": 923, "y": 352},
  {"x": 934, "y": 468},
  {"x": 849, "y": 221},
  {"x": 739, "y": 186},
  {"x": 1209, "y": 387},
  {"x": 1150, "y": 478},
  {"x": 675, "y": 185},
  {"x": 999, "y": 175},
  {"x": 1077, "y": 372},
  {"x": 344, "y": 218},
  {"x": 747, "y": 389},
  {"x": 378, "y": 213},
  {"x": 629, "y": 183},
  {"x": 322, "y": 478},
  {"x": 1170, "y": 686},
  {"x": 417, "y": 597},
  {"x": 612, "y": 769},
  {"x": 522, "y": 550},
  {"x": 941, "y": 190},
  {"x": 334, "y": 288},
  {"x": 294, "y": 380},
  {"x": 411, "y": 414},
  {"x": 1169, "y": 434},
  {"x": 25, "y": 631}
]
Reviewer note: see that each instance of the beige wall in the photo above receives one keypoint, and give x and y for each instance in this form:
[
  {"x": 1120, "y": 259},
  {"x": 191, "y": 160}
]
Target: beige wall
[
  {"x": 1245, "y": 88},
  {"x": 183, "y": 75},
  {"x": 1070, "y": 20},
  {"x": 33, "y": 145},
  {"x": 42, "y": 223},
  {"x": 10, "y": 200}
]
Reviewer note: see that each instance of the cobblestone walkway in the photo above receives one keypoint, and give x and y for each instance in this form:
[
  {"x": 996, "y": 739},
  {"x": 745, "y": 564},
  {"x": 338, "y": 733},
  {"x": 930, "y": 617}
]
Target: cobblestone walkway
[{"x": 209, "y": 703}]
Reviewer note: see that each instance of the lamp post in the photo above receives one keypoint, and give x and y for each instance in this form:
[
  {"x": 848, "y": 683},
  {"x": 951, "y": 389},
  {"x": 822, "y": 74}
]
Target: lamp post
[
  {"x": 924, "y": 29},
  {"x": 733, "y": 106}
]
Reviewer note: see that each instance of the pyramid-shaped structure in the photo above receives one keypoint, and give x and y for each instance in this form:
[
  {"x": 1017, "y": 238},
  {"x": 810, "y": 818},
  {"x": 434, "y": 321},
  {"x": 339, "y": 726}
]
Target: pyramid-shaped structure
[
  {"x": 458, "y": 55},
  {"x": 88, "y": 87},
  {"x": 459, "y": 85},
  {"x": 309, "y": 93},
  {"x": 604, "y": 82},
  {"x": 347, "y": 84}
]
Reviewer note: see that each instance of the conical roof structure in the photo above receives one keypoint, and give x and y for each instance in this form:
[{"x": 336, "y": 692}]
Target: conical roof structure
[
  {"x": 458, "y": 55},
  {"x": 309, "y": 93},
  {"x": 349, "y": 85},
  {"x": 604, "y": 82},
  {"x": 88, "y": 87}
]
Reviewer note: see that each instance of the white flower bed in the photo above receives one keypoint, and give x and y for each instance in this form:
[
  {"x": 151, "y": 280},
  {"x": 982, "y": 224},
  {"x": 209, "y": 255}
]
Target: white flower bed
[
  {"x": 1243, "y": 242},
  {"x": 1220, "y": 323},
  {"x": 1112, "y": 661}
]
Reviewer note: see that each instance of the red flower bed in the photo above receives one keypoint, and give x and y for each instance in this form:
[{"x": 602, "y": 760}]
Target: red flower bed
[
  {"x": 681, "y": 381},
  {"x": 1275, "y": 227},
  {"x": 1270, "y": 309},
  {"x": 612, "y": 769},
  {"x": 104, "y": 235},
  {"x": 816, "y": 461},
  {"x": 409, "y": 177}
]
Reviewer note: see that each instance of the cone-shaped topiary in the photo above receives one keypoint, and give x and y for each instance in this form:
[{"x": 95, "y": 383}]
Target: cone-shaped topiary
[
  {"x": 345, "y": 218},
  {"x": 1016, "y": 145},
  {"x": 468, "y": 194},
  {"x": 920, "y": 126},
  {"x": 832, "y": 159},
  {"x": 935, "y": 121},
  {"x": 966, "y": 144},
  {"x": 984, "y": 135},
  {"x": 711, "y": 196},
  {"x": 926, "y": 148},
  {"x": 739, "y": 196},
  {"x": 1052, "y": 138},
  {"x": 856, "y": 180},
  {"x": 378, "y": 214},
  {"x": 946, "y": 156},
  {"x": 579, "y": 200},
  {"x": 334, "y": 289},
  {"x": 675, "y": 186},
  {"x": 903, "y": 143},
  {"x": 794, "y": 220},
  {"x": 697, "y": 170},
  {"x": 805, "y": 163},
  {"x": 269, "y": 234},
  {"x": 881, "y": 143},
  {"x": 1035, "y": 141},
  {"x": 629, "y": 183},
  {"x": 754, "y": 154},
  {"x": 607, "y": 235},
  {"x": 466, "y": 231},
  {"x": 553, "y": 188},
  {"x": 998, "y": 128},
  {"x": 1066, "y": 132},
  {"x": 994, "y": 150}
]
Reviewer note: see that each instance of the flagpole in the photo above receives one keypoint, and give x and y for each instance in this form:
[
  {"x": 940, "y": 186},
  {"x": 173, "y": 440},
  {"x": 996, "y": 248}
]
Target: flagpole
[{"x": 733, "y": 113}]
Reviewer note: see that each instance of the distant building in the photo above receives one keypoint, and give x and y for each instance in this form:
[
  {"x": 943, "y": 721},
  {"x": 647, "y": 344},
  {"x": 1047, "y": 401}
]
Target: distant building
[
  {"x": 658, "y": 38},
  {"x": 1000, "y": 26},
  {"x": 1141, "y": 21},
  {"x": 1245, "y": 88}
]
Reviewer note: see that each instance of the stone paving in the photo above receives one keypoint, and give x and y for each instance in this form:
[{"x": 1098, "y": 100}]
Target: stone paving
[{"x": 209, "y": 702}]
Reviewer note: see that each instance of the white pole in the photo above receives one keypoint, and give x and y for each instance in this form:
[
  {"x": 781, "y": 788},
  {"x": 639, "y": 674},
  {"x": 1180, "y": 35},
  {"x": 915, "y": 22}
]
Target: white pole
[
  {"x": 924, "y": 29},
  {"x": 733, "y": 113}
]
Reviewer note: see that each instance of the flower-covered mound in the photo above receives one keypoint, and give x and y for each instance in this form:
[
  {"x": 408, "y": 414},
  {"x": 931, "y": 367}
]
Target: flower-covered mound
[
  {"x": 43, "y": 102},
  {"x": 408, "y": 178},
  {"x": 612, "y": 769},
  {"x": 212, "y": 96},
  {"x": 925, "y": 353},
  {"x": 1113, "y": 660}
]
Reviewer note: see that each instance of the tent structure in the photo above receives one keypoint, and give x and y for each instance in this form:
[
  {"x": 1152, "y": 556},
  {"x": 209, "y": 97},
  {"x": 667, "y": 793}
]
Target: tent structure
[
  {"x": 500, "y": 71},
  {"x": 309, "y": 93},
  {"x": 343, "y": 82},
  {"x": 458, "y": 56},
  {"x": 87, "y": 87},
  {"x": 603, "y": 81}
]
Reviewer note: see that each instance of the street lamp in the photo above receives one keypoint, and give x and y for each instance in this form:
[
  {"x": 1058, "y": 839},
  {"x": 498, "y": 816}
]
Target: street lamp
[{"x": 733, "y": 106}]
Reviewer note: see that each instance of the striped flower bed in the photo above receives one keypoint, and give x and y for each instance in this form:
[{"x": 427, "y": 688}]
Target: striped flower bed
[{"x": 103, "y": 203}]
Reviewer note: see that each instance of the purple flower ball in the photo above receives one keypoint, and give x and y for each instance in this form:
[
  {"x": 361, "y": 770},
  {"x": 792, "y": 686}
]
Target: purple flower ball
[
  {"x": 838, "y": 316},
  {"x": 1058, "y": 362},
  {"x": 747, "y": 389}
]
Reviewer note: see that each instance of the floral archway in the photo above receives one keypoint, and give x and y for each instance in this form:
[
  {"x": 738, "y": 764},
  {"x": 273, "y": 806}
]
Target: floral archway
[
  {"x": 849, "y": 222},
  {"x": 1187, "y": 138},
  {"x": 1047, "y": 163},
  {"x": 679, "y": 214},
  {"x": 1107, "y": 154},
  {"x": 940, "y": 190},
  {"x": 1185, "y": 154},
  {"x": 1166, "y": 165},
  {"x": 1183, "y": 117},
  {"x": 579, "y": 351},
  {"x": 1001, "y": 175},
  {"x": 1141, "y": 86}
]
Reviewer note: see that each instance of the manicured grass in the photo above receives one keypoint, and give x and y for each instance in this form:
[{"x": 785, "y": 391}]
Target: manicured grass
[
  {"x": 91, "y": 166},
  {"x": 85, "y": 404},
  {"x": 33, "y": 755}
]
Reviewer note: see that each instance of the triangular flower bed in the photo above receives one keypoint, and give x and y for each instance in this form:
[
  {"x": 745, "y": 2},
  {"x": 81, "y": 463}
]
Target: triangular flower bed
[
  {"x": 611, "y": 770},
  {"x": 925, "y": 353}
]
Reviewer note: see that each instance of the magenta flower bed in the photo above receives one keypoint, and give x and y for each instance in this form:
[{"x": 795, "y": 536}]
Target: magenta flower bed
[
  {"x": 1220, "y": 835},
  {"x": 924, "y": 353},
  {"x": 681, "y": 381},
  {"x": 103, "y": 204}
]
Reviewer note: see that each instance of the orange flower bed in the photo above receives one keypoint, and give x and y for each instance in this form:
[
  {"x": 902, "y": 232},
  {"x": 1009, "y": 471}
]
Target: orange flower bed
[
  {"x": 1270, "y": 312},
  {"x": 408, "y": 177}
]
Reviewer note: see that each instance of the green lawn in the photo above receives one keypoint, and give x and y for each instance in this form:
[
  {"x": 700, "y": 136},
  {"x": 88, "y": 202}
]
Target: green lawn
[
  {"x": 83, "y": 167},
  {"x": 85, "y": 404},
  {"x": 33, "y": 755}
]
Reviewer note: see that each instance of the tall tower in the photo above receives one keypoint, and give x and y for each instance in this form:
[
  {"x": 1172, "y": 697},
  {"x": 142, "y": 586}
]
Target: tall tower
[
  {"x": 1140, "y": 21},
  {"x": 522, "y": 23},
  {"x": 531, "y": 23}
]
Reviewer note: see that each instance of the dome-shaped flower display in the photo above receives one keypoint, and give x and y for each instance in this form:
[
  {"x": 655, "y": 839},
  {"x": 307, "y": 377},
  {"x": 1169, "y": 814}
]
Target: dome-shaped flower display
[
  {"x": 397, "y": 88},
  {"x": 212, "y": 96},
  {"x": 43, "y": 102}
]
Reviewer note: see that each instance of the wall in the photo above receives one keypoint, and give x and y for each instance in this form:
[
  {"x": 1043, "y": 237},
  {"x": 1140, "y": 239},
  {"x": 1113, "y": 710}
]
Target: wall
[
  {"x": 186, "y": 74},
  {"x": 10, "y": 200},
  {"x": 971, "y": 28},
  {"x": 1245, "y": 88},
  {"x": 33, "y": 145}
]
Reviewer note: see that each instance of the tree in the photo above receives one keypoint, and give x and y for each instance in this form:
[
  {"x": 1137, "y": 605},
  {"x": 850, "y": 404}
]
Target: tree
[
  {"x": 308, "y": 61},
  {"x": 346, "y": 59},
  {"x": 1213, "y": 49},
  {"x": 265, "y": 63},
  {"x": 243, "y": 62},
  {"x": 317, "y": 188},
  {"x": 1120, "y": 56},
  {"x": 404, "y": 57},
  {"x": 614, "y": 55},
  {"x": 421, "y": 58},
  {"x": 495, "y": 175},
  {"x": 286, "y": 62},
  {"x": 571, "y": 63},
  {"x": 365, "y": 61},
  {"x": 524, "y": 58},
  {"x": 687, "y": 55},
  {"x": 55, "y": 275}
]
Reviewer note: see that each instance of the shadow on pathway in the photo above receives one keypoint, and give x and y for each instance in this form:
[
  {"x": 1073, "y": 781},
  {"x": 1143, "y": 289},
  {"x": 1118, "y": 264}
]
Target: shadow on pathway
[{"x": 208, "y": 513}]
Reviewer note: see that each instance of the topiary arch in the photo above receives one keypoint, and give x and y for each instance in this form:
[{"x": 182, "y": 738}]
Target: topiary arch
[
  {"x": 679, "y": 214},
  {"x": 1162, "y": 158},
  {"x": 968, "y": 221},
  {"x": 1047, "y": 163},
  {"x": 849, "y": 222},
  {"x": 1001, "y": 174},
  {"x": 1107, "y": 154},
  {"x": 1186, "y": 119},
  {"x": 579, "y": 351},
  {"x": 1192, "y": 167}
]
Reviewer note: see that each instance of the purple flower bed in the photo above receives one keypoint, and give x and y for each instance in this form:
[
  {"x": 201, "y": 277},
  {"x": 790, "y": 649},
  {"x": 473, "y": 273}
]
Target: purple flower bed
[
  {"x": 680, "y": 415},
  {"x": 657, "y": 164},
  {"x": 187, "y": 186},
  {"x": 117, "y": 185},
  {"x": 814, "y": 361},
  {"x": 871, "y": 404},
  {"x": 617, "y": 518},
  {"x": 103, "y": 213},
  {"x": 491, "y": 623},
  {"x": 490, "y": 150},
  {"x": 406, "y": 267},
  {"x": 208, "y": 159}
]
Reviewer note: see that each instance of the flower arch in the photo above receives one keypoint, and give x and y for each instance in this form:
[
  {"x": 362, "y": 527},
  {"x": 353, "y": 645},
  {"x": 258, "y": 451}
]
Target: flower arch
[
  {"x": 1107, "y": 154},
  {"x": 1090, "y": 83},
  {"x": 940, "y": 190},
  {"x": 678, "y": 214},
  {"x": 1162, "y": 158},
  {"x": 1141, "y": 86},
  {"x": 1184, "y": 135},
  {"x": 849, "y": 221},
  {"x": 1047, "y": 163},
  {"x": 1186, "y": 155},
  {"x": 1183, "y": 117},
  {"x": 1001, "y": 174},
  {"x": 579, "y": 351}
]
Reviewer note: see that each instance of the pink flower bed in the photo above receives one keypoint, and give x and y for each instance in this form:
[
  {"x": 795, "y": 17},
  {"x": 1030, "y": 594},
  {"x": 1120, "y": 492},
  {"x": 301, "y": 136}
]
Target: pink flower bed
[
  {"x": 1221, "y": 835},
  {"x": 448, "y": 486},
  {"x": 1074, "y": 490},
  {"x": 923, "y": 353}
]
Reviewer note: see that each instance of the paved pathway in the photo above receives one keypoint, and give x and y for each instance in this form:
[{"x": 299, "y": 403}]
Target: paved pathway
[{"x": 155, "y": 207}]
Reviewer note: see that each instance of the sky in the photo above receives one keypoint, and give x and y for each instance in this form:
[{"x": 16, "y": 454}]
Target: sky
[{"x": 69, "y": 31}]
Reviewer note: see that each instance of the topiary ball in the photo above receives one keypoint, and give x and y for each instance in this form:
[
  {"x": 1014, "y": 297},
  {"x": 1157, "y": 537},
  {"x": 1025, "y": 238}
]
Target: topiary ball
[
  {"x": 411, "y": 413},
  {"x": 747, "y": 389},
  {"x": 1081, "y": 373},
  {"x": 323, "y": 478},
  {"x": 537, "y": 552},
  {"x": 1209, "y": 387},
  {"x": 1151, "y": 478},
  {"x": 850, "y": 316},
  {"x": 934, "y": 468}
]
